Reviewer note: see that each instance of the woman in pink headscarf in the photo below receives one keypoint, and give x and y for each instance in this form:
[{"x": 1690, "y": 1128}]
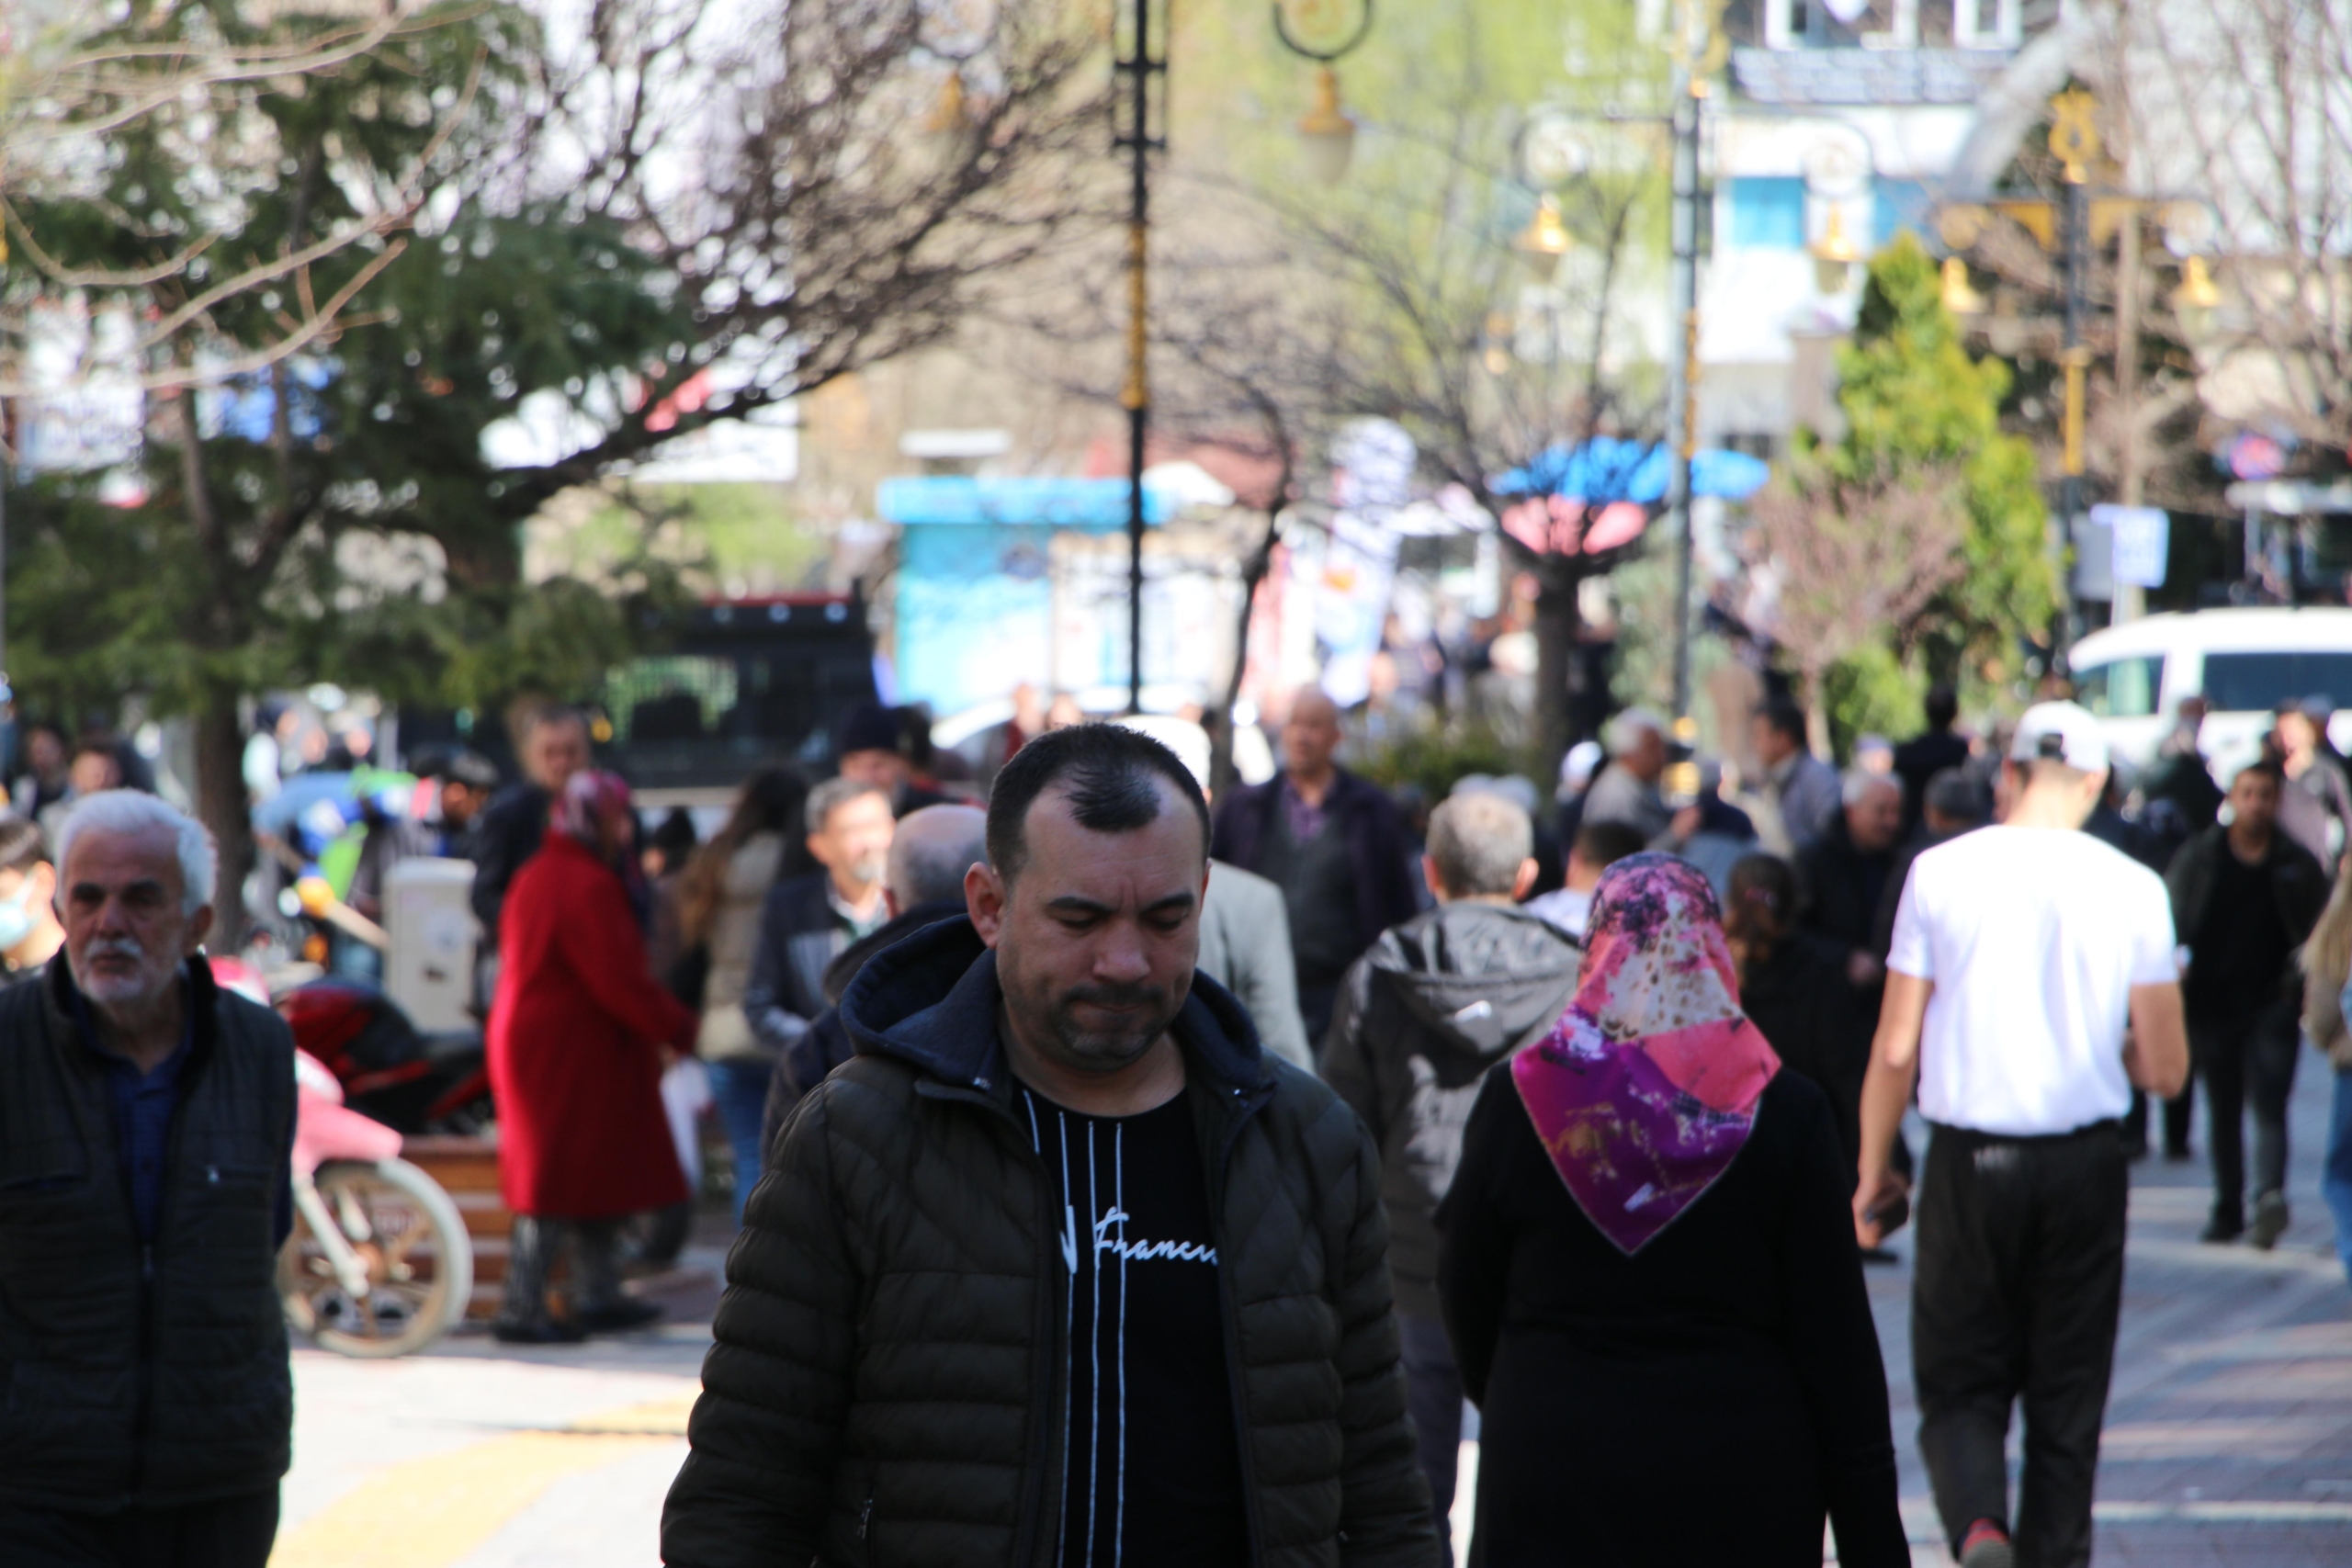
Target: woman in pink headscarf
[
  {"x": 1649, "y": 1275},
  {"x": 576, "y": 1033}
]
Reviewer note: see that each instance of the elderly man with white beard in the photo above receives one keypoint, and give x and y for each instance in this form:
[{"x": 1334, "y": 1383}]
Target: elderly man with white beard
[{"x": 146, "y": 1119}]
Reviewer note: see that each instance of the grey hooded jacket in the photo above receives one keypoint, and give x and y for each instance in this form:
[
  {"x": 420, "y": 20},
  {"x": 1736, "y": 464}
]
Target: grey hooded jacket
[{"x": 1437, "y": 1001}]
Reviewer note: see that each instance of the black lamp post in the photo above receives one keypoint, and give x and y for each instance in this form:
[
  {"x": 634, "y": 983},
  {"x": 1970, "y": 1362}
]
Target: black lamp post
[{"x": 1134, "y": 108}]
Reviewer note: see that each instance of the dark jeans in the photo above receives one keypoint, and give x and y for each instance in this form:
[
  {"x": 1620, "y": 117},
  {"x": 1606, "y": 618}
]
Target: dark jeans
[
  {"x": 2247, "y": 1056},
  {"x": 234, "y": 1532},
  {"x": 1433, "y": 1398},
  {"x": 2018, "y": 1285}
]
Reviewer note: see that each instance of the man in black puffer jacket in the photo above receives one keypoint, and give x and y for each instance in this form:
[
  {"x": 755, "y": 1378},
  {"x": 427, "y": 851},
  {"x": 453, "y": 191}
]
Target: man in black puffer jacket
[
  {"x": 1436, "y": 1002},
  {"x": 146, "y": 1116},
  {"x": 927, "y": 1354}
]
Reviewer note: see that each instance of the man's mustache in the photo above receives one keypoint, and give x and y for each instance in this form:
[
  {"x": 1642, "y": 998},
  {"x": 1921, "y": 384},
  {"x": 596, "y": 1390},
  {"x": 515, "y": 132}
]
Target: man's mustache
[{"x": 1122, "y": 996}]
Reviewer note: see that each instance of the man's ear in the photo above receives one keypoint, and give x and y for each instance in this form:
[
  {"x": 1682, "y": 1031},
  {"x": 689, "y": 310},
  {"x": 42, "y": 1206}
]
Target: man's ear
[
  {"x": 1527, "y": 872},
  {"x": 890, "y": 902},
  {"x": 984, "y": 900},
  {"x": 200, "y": 926},
  {"x": 1430, "y": 879}
]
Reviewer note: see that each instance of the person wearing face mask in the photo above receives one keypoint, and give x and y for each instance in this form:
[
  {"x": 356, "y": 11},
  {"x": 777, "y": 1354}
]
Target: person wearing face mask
[
  {"x": 30, "y": 933},
  {"x": 576, "y": 1033}
]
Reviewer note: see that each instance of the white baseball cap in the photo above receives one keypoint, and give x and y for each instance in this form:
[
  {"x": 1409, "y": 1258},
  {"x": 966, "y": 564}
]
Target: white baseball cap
[{"x": 2059, "y": 732}]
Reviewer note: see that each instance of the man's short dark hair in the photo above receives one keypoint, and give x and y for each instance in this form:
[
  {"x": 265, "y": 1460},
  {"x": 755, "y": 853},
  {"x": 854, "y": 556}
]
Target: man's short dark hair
[
  {"x": 22, "y": 845},
  {"x": 1784, "y": 717},
  {"x": 460, "y": 766},
  {"x": 1602, "y": 844},
  {"x": 1943, "y": 706},
  {"x": 1112, "y": 775},
  {"x": 2261, "y": 767},
  {"x": 1951, "y": 793}
]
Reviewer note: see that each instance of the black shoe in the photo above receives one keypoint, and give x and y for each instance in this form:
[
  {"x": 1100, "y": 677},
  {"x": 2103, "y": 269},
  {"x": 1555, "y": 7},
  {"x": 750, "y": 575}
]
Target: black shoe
[
  {"x": 2222, "y": 1231},
  {"x": 2179, "y": 1153},
  {"x": 1987, "y": 1545},
  {"x": 2269, "y": 1220},
  {"x": 542, "y": 1331},
  {"x": 619, "y": 1316}
]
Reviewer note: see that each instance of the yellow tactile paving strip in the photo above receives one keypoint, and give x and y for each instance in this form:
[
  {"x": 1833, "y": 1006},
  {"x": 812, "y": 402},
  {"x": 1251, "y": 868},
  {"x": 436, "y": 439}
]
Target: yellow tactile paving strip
[{"x": 434, "y": 1511}]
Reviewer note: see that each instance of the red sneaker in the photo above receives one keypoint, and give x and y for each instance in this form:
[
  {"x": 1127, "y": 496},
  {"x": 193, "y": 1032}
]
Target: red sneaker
[{"x": 1987, "y": 1545}]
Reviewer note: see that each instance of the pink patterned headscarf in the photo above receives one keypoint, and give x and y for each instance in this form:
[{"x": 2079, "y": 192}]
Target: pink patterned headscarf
[
  {"x": 588, "y": 800},
  {"x": 1645, "y": 1089}
]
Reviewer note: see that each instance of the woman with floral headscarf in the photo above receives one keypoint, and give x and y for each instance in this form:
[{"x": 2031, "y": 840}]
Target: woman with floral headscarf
[
  {"x": 576, "y": 1033},
  {"x": 1649, "y": 1275}
]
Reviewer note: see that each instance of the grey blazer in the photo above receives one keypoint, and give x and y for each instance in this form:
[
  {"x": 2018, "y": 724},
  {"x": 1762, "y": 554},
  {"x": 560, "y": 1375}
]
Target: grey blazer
[{"x": 1245, "y": 947}]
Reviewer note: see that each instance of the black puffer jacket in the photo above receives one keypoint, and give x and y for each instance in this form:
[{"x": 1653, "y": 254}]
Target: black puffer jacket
[
  {"x": 883, "y": 1386},
  {"x": 141, "y": 1374},
  {"x": 1421, "y": 1017}
]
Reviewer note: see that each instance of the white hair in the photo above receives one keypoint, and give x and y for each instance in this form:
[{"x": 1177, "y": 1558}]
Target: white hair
[
  {"x": 131, "y": 811},
  {"x": 1858, "y": 782},
  {"x": 1625, "y": 731}
]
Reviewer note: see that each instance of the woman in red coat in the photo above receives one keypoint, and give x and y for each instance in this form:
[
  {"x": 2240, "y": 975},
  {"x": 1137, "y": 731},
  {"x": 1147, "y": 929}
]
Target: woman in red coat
[{"x": 575, "y": 1065}]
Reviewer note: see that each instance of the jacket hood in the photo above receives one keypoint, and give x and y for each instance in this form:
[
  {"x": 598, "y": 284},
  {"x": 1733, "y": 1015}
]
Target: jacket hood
[
  {"x": 1481, "y": 978},
  {"x": 931, "y": 1001},
  {"x": 892, "y": 931}
]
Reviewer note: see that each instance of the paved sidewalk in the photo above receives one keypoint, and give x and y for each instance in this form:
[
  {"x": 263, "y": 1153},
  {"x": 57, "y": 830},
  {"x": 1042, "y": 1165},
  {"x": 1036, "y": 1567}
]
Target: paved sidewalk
[
  {"x": 2229, "y": 1426},
  {"x": 2229, "y": 1434}
]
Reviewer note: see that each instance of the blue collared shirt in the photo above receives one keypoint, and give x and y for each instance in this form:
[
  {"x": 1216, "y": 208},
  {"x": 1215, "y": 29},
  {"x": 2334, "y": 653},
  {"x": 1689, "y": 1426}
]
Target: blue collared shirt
[{"x": 143, "y": 1105}]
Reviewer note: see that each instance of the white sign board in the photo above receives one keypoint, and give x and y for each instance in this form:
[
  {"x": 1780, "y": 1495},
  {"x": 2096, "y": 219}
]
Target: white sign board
[{"x": 2143, "y": 539}]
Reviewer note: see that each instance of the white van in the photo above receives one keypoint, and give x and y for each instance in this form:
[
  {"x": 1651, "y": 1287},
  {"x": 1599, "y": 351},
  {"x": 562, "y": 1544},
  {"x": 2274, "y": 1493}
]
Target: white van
[{"x": 2244, "y": 663}]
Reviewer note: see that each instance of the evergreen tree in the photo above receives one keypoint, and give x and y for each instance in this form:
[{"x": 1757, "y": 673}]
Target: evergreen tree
[
  {"x": 1912, "y": 397},
  {"x": 317, "y": 505}
]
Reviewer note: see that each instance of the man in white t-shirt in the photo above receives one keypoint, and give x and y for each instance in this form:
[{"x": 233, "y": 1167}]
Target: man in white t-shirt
[{"x": 2032, "y": 981}]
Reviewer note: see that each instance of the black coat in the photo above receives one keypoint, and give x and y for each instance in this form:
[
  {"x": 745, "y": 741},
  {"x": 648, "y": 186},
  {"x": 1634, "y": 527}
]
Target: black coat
[
  {"x": 802, "y": 1066},
  {"x": 799, "y": 936},
  {"x": 512, "y": 829},
  {"x": 1841, "y": 885},
  {"x": 1377, "y": 848},
  {"x": 2296, "y": 879},
  {"x": 1798, "y": 999},
  {"x": 1736, "y": 1348},
  {"x": 882, "y": 1383}
]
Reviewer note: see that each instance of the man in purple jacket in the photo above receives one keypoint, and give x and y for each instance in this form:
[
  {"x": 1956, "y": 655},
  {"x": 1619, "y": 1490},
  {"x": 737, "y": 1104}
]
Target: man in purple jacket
[{"x": 1333, "y": 843}]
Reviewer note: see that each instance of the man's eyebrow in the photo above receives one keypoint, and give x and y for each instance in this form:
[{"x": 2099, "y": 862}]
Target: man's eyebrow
[
  {"x": 1079, "y": 904},
  {"x": 1181, "y": 899},
  {"x": 101, "y": 889}
]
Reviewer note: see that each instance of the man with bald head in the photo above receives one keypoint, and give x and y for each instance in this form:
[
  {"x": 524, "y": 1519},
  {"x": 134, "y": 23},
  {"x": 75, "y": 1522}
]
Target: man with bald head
[
  {"x": 923, "y": 884},
  {"x": 1334, "y": 844}
]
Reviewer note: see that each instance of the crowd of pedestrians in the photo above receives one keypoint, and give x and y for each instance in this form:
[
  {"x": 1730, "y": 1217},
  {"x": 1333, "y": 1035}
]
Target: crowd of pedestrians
[{"x": 1125, "y": 1175}]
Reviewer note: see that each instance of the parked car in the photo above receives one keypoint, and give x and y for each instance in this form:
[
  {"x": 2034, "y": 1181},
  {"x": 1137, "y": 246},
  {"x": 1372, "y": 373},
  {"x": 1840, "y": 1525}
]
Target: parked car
[{"x": 2244, "y": 663}]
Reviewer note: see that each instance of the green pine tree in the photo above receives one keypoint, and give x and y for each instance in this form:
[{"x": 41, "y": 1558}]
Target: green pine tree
[{"x": 1912, "y": 394}]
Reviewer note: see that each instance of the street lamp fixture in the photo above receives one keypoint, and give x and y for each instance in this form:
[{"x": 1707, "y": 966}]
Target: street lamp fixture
[
  {"x": 2197, "y": 298},
  {"x": 1834, "y": 254},
  {"x": 1322, "y": 31},
  {"x": 1961, "y": 297},
  {"x": 1328, "y": 134},
  {"x": 1545, "y": 240}
]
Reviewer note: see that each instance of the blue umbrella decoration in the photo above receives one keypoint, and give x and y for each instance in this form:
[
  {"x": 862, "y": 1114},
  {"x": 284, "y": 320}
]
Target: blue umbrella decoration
[{"x": 1596, "y": 496}]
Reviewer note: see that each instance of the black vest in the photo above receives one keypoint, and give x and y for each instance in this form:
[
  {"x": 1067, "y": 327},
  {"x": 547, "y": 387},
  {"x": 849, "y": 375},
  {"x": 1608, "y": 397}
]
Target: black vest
[{"x": 132, "y": 1375}]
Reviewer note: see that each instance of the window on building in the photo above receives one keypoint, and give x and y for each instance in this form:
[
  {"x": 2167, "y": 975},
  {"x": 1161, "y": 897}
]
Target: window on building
[
  {"x": 1986, "y": 24},
  {"x": 1897, "y": 205},
  {"x": 1767, "y": 212}
]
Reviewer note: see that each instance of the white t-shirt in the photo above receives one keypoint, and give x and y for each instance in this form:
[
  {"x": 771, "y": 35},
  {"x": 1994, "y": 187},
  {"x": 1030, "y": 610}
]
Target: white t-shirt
[{"x": 2034, "y": 937}]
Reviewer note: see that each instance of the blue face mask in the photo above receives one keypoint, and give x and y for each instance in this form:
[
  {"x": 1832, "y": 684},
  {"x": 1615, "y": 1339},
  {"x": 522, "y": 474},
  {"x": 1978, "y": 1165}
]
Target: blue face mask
[{"x": 16, "y": 918}]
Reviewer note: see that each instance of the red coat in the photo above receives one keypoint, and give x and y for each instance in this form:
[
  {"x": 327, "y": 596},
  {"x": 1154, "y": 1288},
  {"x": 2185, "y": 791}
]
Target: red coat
[{"x": 573, "y": 1032}]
